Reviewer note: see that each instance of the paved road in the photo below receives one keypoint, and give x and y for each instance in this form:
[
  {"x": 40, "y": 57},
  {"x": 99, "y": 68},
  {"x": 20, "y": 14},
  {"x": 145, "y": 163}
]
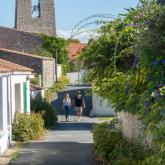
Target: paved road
[{"x": 69, "y": 144}]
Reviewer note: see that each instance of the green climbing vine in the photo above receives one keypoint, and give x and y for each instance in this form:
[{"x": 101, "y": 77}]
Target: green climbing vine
[
  {"x": 126, "y": 65},
  {"x": 55, "y": 47}
]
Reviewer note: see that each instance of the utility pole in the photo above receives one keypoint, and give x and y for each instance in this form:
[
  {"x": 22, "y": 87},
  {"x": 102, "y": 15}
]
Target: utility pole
[{"x": 56, "y": 64}]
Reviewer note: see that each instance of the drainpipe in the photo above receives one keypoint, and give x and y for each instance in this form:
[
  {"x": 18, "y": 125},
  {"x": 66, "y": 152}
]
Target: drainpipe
[
  {"x": 15, "y": 27},
  {"x": 56, "y": 65}
]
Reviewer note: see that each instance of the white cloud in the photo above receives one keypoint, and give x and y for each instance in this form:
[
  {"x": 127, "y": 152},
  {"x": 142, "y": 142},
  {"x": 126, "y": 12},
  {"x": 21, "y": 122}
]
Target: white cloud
[
  {"x": 83, "y": 37},
  {"x": 64, "y": 33}
]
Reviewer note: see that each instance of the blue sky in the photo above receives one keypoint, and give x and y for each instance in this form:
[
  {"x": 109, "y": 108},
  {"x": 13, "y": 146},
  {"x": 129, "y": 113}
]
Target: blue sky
[{"x": 70, "y": 12}]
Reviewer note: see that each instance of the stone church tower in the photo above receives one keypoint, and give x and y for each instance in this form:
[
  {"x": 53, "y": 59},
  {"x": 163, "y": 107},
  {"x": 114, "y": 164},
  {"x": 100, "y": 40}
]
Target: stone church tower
[{"x": 35, "y": 18}]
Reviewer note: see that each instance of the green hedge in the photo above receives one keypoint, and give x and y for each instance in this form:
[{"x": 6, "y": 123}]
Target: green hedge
[
  {"x": 111, "y": 148},
  {"x": 27, "y": 127},
  {"x": 39, "y": 105}
]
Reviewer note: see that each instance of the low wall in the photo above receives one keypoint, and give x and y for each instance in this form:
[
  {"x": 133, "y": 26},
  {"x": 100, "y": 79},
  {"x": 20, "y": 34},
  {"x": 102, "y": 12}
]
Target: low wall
[
  {"x": 132, "y": 128},
  {"x": 101, "y": 106}
]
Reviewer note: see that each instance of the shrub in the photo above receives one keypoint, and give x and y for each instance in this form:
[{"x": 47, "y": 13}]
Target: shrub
[
  {"x": 27, "y": 127},
  {"x": 38, "y": 105},
  {"x": 103, "y": 144},
  {"x": 37, "y": 126},
  {"x": 35, "y": 80},
  {"x": 57, "y": 86},
  {"x": 112, "y": 148},
  {"x": 158, "y": 157}
]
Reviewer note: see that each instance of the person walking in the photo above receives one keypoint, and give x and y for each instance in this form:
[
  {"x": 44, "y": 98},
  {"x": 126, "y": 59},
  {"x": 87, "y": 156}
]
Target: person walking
[
  {"x": 79, "y": 104},
  {"x": 66, "y": 105}
]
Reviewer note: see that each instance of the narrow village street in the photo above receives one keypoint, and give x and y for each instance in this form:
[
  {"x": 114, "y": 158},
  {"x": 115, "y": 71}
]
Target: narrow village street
[
  {"x": 69, "y": 143},
  {"x": 82, "y": 82}
]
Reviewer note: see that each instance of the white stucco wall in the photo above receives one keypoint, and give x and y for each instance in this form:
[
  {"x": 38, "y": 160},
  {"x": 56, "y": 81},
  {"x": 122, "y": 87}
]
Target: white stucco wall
[
  {"x": 7, "y": 104},
  {"x": 73, "y": 78},
  {"x": 4, "y": 131},
  {"x": 20, "y": 79},
  {"x": 59, "y": 71},
  {"x": 76, "y": 78},
  {"x": 28, "y": 95},
  {"x": 101, "y": 106},
  {"x": 3, "y": 103},
  {"x": 4, "y": 141}
]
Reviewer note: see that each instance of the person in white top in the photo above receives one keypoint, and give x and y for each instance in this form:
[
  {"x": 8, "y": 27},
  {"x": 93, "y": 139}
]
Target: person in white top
[{"x": 66, "y": 105}]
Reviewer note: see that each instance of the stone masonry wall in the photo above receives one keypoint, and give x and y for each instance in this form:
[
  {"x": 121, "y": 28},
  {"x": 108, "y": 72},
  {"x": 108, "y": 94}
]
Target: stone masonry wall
[
  {"x": 132, "y": 128},
  {"x": 25, "y": 60},
  {"x": 45, "y": 23},
  {"x": 48, "y": 73},
  {"x": 41, "y": 65},
  {"x": 20, "y": 41}
]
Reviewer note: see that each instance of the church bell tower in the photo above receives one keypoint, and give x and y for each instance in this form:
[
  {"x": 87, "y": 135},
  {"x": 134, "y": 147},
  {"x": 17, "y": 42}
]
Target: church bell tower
[{"x": 36, "y": 16}]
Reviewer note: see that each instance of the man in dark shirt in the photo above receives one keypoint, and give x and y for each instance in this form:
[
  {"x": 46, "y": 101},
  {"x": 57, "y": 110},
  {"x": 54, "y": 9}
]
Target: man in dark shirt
[{"x": 79, "y": 104}]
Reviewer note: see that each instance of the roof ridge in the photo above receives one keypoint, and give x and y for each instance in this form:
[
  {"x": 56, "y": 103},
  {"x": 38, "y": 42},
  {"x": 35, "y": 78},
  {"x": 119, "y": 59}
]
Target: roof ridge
[{"x": 24, "y": 53}]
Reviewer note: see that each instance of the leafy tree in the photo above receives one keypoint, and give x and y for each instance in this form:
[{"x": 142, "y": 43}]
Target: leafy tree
[
  {"x": 58, "y": 48},
  {"x": 113, "y": 50},
  {"x": 126, "y": 64},
  {"x": 71, "y": 40},
  {"x": 43, "y": 52}
]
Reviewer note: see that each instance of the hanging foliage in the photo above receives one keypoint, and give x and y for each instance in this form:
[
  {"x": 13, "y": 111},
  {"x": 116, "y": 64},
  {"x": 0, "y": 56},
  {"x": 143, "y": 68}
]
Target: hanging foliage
[{"x": 126, "y": 64}]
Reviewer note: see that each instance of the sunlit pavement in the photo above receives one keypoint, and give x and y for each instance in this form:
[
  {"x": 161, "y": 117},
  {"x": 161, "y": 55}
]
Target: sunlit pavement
[{"x": 70, "y": 143}]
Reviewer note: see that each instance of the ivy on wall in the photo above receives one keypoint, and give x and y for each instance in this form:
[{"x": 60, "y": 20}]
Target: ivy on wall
[{"x": 55, "y": 47}]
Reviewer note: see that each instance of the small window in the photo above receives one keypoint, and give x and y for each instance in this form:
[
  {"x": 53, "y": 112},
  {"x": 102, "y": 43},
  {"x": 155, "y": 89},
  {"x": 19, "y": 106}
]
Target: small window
[{"x": 35, "y": 9}]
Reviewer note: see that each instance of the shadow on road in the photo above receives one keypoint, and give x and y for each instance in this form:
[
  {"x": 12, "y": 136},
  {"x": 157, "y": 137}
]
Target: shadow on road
[
  {"x": 66, "y": 126},
  {"x": 53, "y": 153}
]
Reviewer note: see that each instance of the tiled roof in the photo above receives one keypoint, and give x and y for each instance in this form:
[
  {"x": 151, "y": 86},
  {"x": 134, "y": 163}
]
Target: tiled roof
[
  {"x": 6, "y": 66},
  {"x": 24, "y": 54},
  {"x": 74, "y": 49}
]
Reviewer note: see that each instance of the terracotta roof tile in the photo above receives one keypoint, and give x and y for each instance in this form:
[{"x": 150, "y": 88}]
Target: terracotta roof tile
[
  {"x": 6, "y": 66},
  {"x": 74, "y": 49}
]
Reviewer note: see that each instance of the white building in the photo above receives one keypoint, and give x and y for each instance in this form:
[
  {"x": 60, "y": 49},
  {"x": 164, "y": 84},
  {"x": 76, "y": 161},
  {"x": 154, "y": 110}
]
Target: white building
[
  {"x": 101, "y": 107},
  {"x": 76, "y": 78},
  {"x": 59, "y": 71},
  {"x": 14, "y": 97}
]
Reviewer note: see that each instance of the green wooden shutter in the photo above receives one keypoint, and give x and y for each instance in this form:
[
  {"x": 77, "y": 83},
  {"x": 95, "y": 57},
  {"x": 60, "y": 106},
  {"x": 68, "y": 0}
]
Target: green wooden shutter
[{"x": 25, "y": 96}]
